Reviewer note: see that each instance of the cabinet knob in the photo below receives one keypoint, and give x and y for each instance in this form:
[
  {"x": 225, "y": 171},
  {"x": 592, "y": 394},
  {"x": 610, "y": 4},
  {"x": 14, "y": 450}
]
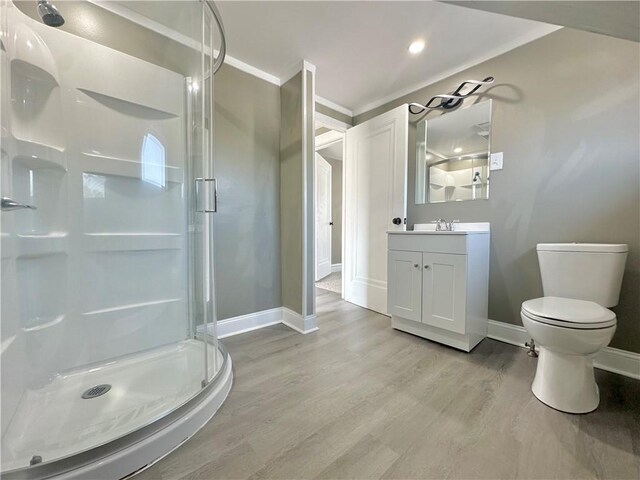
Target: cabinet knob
[
  {"x": 426, "y": 267},
  {"x": 415, "y": 265}
]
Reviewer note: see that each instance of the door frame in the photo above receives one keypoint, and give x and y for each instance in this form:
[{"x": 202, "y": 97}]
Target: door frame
[{"x": 322, "y": 120}]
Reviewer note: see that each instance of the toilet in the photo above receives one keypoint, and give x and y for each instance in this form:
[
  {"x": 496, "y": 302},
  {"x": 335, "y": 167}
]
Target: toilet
[{"x": 572, "y": 323}]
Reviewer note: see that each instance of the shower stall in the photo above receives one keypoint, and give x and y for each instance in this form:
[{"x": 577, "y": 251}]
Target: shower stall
[{"x": 109, "y": 356}]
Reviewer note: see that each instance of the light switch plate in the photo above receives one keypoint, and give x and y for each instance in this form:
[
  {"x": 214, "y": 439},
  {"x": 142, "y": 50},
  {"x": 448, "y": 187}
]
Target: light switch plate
[{"x": 496, "y": 161}]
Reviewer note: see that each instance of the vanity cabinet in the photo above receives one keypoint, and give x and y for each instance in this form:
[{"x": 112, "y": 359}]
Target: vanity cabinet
[
  {"x": 438, "y": 284},
  {"x": 404, "y": 290}
]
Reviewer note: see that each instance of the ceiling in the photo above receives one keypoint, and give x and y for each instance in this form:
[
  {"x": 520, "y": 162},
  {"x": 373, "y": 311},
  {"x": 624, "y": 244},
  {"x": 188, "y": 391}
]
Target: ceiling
[
  {"x": 615, "y": 18},
  {"x": 358, "y": 48}
]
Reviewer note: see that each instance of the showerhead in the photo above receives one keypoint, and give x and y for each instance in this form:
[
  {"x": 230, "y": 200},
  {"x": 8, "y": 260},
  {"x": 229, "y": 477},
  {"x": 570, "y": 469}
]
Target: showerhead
[{"x": 49, "y": 14}]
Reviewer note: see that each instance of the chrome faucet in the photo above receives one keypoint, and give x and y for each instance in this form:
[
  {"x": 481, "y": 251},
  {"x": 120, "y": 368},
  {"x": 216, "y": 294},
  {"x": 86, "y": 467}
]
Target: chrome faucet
[{"x": 443, "y": 226}]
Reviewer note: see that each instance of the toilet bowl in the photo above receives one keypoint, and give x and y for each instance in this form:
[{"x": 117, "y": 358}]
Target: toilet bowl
[
  {"x": 569, "y": 333},
  {"x": 571, "y": 323}
]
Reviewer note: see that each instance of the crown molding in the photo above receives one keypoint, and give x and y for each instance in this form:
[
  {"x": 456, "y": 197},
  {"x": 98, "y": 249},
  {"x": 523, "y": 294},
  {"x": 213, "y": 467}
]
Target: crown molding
[
  {"x": 331, "y": 123},
  {"x": 518, "y": 42},
  {"x": 123, "y": 11},
  {"x": 297, "y": 68},
  {"x": 251, "y": 70},
  {"x": 333, "y": 106}
]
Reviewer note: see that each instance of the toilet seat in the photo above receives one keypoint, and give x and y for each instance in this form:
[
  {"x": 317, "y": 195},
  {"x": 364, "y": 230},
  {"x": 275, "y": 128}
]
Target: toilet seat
[{"x": 568, "y": 313}]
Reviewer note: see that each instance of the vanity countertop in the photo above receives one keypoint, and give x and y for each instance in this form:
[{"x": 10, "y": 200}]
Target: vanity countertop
[
  {"x": 432, "y": 232},
  {"x": 458, "y": 229}
]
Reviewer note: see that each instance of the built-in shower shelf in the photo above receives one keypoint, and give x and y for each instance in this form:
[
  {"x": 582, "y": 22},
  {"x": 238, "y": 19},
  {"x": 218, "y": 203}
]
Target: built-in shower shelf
[
  {"x": 37, "y": 155},
  {"x": 132, "y": 306},
  {"x": 106, "y": 165},
  {"x": 33, "y": 162},
  {"x": 115, "y": 242},
  {"x": 42, "y": 323},
  {"x": 37, "y": 69},
  {"x": 33, "y": 245},
  {"x": 6, "y": 343},
  {"x": 6, "y": 245}
]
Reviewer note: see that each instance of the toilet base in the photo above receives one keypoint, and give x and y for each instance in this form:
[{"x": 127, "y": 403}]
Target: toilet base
[{"x": 566, "y": 382}]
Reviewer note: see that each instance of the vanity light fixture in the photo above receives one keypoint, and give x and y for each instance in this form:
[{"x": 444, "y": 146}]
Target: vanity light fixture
[
  {"x": 453, "y": 100},
  {"x": 416, "y": 47}
]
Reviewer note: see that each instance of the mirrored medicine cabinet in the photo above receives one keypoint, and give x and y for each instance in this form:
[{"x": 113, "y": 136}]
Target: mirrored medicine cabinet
[{"x": 452, "y": 155}]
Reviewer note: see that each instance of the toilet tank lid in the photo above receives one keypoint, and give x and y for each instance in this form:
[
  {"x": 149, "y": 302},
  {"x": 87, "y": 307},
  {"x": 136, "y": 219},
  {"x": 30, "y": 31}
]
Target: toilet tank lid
[{"x": 584, "y": 247}]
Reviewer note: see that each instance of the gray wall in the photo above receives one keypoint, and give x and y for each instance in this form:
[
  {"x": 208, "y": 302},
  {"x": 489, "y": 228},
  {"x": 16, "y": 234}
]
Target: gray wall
[
  {"x": 247, "y": 225},
  {"x": 566, "y": 116},
  {"x": 291, "y": 192}
]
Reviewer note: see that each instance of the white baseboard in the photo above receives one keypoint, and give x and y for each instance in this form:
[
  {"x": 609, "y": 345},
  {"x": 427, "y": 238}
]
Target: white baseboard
[
  {"x": 246, "y": 323},
  {"x": 336, "y": 267},
  {"x": 609, "y": 359},
  {"x": 507, "y": 333},
  {"x": 266, "y": 318},
  {"x": 297, "y": 322},
  {"x": 618, "y": 361}
]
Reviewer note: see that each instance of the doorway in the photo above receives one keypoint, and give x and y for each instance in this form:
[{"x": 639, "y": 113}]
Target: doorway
[{"x": 328, "y": 205}]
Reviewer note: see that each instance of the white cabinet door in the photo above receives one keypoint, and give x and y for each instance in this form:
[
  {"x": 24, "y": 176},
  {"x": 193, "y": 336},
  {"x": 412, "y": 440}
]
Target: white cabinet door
[
  {"x": 405, "y": 284},
  {"x": 375, "y": 184},
  {"x": 444, "y": 291}
]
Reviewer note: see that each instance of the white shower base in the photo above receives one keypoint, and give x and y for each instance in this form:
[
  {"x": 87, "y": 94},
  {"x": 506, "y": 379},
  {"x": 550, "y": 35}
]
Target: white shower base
[{"x": 55, "y": 422}]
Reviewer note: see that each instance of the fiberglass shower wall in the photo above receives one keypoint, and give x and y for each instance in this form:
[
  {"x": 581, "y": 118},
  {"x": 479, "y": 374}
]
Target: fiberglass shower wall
[{"x": 103, "y": 144}]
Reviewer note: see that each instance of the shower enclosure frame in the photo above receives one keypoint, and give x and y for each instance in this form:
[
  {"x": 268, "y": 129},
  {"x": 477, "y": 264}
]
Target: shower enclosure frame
[{"x": 136, "y": 450}]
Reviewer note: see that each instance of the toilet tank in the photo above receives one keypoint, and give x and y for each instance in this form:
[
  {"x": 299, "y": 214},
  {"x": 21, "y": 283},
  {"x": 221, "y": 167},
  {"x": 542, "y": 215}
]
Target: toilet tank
[{"x": 584, "y": 271}]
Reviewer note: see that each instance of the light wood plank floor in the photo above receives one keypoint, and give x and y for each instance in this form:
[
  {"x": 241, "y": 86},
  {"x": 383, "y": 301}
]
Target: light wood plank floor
[{"x": 358, "y": 399}]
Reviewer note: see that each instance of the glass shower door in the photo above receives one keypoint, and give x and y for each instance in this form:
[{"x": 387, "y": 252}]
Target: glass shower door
[{"x": 107, "y": 284}]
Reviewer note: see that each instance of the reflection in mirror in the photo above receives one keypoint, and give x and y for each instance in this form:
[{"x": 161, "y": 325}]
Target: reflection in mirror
[{"x": 452, "y": 155}]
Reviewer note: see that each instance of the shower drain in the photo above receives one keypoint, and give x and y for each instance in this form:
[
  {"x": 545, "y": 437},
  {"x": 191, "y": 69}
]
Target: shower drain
[{"x": 96, "y": 391}]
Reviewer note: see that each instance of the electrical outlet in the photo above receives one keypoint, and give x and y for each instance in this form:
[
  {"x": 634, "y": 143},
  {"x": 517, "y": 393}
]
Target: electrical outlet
[{"x": 496, "y": 161}]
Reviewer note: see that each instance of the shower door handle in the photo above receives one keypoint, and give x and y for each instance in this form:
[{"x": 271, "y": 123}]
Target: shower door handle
[
  {"x": 9, "y": 204},
  {"x": 207, "y": 188}
]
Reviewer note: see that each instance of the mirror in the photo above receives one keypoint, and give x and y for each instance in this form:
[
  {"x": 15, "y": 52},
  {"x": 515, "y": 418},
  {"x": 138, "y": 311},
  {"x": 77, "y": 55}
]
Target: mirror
[{"x": 452, "y": 155}]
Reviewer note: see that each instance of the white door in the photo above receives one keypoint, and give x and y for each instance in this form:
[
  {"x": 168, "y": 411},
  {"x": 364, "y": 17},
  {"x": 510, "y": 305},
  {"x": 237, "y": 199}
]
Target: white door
[
  {"x": 323, "y": 218},
  {"x": 444, "y": 291},
  {"x": 375, "y": 202},
  {"x": 405, "y": 285}
]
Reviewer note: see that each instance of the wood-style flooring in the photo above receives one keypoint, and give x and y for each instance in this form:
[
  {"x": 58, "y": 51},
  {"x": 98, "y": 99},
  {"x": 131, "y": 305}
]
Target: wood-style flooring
[{"x": 358, "y": 399}]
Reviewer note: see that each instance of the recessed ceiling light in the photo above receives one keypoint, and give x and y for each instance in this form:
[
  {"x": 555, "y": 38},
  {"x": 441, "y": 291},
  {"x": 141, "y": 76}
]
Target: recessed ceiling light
[
  {"x": 457, "y": 150},
  {"x": 416, "y": 47}
]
